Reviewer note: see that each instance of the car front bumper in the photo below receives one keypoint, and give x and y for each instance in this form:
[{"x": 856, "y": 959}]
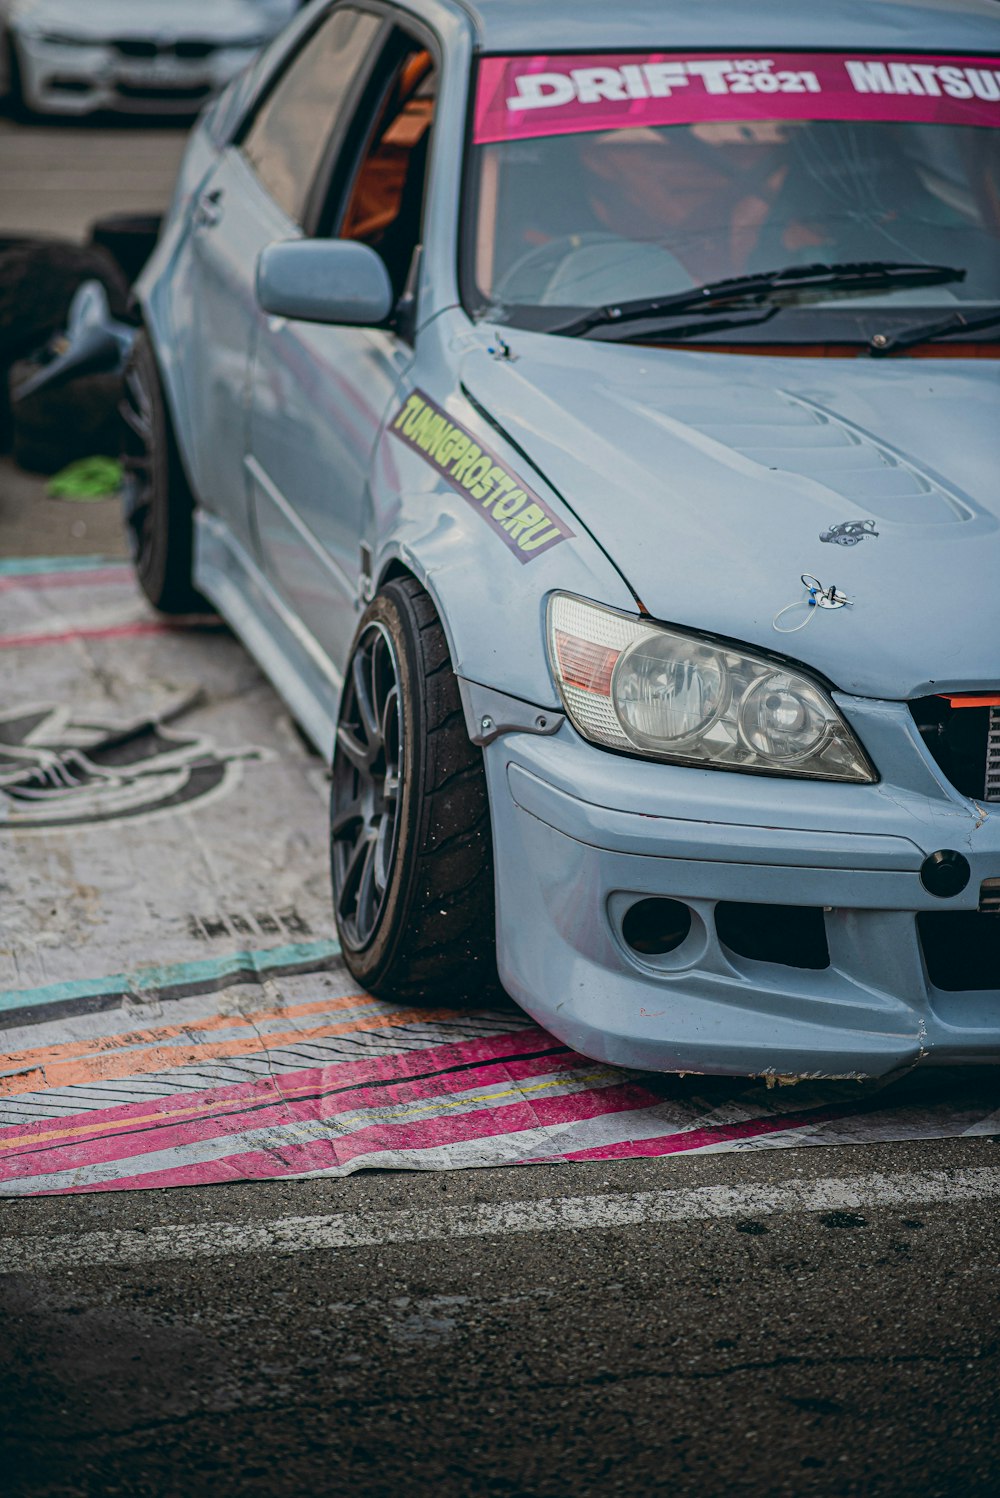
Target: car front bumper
[
  {"x": 581, "y": 836},
  {"x": 78, "y": 79}
]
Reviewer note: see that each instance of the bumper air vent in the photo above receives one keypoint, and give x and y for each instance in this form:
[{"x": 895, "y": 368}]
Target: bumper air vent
[
  {"x": 792, "y": 935},
  {"x": 180, "y": 94},
  {"x": 961, "y": 948},
  {"x": 657, "y": 926}
]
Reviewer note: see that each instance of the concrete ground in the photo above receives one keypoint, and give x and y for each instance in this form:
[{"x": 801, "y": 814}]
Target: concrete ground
[
  {"x": 32, "y": 524},
  {"x": 788, "y": 1322}
]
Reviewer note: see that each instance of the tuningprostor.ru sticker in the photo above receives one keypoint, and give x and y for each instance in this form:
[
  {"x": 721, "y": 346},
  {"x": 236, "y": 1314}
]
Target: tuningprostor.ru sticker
[{"x": 520, "y": 517}]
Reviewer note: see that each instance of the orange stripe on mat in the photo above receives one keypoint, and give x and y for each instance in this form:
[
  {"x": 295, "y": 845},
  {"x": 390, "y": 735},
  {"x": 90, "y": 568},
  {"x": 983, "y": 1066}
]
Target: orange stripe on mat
[
  {"x": 122, "y": 1064},
  {"x": 45, "y": 1055}
]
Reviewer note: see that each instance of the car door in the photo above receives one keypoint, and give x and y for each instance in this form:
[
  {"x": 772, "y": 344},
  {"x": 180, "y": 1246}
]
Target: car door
[
  {"x": 258, "y": 193},
  {"x": 320, "y": 392}
]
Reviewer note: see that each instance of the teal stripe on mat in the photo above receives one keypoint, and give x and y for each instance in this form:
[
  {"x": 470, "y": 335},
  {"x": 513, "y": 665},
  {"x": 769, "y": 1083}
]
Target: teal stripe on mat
[
  {"x": 30, "y": 566},
  {"x": 172, "y": 975}
]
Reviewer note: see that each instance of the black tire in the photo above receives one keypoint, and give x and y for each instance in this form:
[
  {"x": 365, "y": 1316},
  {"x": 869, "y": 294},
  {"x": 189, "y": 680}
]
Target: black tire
[
  {"x": 56, "y": 426},
  {"x": 156, "y": 499},
  {"x": 430, "y": 935},
  {"x": 38, "y": 280},
  {"x": 129, "y": 238}
]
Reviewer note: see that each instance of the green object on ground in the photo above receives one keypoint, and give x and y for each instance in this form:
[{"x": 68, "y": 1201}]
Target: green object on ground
[{"x": 88, "y": 478}]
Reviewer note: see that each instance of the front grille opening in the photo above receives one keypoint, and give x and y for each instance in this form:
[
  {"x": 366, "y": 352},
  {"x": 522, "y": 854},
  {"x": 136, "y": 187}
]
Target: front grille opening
[
  {"x": 135, "y": 46},
  {"x": 791, "y": 935},
  {"x": 179, "y": 94},
  {"x": 656, "y": 927},
  {"x": 194, "y": 50},
  {"x": 961, "y": 949},
  {"x": 964, "y": 742}
]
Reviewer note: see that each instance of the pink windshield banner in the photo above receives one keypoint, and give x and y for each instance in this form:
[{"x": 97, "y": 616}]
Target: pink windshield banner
[{"x": 522, "y": 97}]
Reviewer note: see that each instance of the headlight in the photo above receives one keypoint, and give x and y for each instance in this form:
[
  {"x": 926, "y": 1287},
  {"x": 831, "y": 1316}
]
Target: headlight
[{"x": 668, "y": 695}]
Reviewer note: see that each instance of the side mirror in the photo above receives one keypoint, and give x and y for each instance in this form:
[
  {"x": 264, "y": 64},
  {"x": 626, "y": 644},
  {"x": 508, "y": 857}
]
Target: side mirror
[{"x": 326, "y": 281}]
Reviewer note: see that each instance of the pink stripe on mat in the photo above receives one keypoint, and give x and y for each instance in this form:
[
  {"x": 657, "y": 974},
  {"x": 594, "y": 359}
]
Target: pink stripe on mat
[
  {"x": 399, "y": 1068},
  {"x": 382, "y": 1138},
  {"x": 41, "y": 581},
  {"x": 696, "y": 1139},
  {"x": 281, "y": 1112},
  {"x": 102, "y": 632}
]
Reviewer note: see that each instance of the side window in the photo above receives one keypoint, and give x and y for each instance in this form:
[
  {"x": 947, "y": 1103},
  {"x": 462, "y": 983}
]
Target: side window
[
  {"x": 385, "y": 200},
  {"x": 287, "y": 138}
]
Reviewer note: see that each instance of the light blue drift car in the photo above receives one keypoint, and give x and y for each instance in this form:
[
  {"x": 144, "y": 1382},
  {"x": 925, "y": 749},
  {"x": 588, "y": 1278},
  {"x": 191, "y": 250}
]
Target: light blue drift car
[{"x": 588, "y": 417}]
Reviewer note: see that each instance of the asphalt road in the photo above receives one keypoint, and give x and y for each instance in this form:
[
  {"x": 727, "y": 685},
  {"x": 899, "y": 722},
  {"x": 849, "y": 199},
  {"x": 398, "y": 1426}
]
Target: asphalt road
[
  {"x": 812, "y": 1321},
  {"x": 58, "y": 177},
  {"x": 843, "y": 1343}
]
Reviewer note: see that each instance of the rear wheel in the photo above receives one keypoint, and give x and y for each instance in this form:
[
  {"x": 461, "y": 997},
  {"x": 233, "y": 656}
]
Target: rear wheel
[
  {"x": 411, "y": 850},
  {"x": 157, "y": 501}
]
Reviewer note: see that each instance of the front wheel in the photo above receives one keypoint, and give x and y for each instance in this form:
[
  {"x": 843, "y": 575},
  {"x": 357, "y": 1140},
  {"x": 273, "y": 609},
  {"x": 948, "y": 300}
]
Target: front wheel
[{"x": 411, "y": 850}]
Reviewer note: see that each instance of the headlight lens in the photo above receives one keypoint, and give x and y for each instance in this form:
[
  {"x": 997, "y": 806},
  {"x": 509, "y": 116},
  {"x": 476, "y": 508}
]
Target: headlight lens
[
  {"x": 668, "y": 692},
  {"x": 667, "y": 695}
]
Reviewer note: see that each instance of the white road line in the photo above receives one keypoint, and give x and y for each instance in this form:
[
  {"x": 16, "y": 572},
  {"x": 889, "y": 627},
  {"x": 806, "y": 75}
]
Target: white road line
[{"x": 288, "y": 1235}]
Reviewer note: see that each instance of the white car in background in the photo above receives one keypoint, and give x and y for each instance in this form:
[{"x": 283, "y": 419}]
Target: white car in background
[{"x": 155, "y": 57}]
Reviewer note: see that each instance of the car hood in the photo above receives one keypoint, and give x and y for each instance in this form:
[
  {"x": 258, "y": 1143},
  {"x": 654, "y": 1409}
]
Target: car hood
[
  {"x": 165, "y": 20},
  {"x": 711, "y": 480}
]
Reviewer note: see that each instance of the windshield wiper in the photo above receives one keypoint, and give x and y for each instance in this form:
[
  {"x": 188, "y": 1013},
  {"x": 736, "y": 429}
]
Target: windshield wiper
[
  {"x": 711, "y": 322},
  {"x": 892, "y": 343},
  {"x": 862, "y": 275}
]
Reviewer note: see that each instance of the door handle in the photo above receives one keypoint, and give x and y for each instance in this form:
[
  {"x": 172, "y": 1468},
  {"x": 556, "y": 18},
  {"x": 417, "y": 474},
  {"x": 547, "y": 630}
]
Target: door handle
[{"x": 208, "y": 209}]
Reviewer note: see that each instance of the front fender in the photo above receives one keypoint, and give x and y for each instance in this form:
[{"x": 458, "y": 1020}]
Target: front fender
[{"x": 491, "y": 595}]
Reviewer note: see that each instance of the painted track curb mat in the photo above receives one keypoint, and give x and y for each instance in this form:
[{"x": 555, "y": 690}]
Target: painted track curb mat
[{"x": 172, "y": 1003}]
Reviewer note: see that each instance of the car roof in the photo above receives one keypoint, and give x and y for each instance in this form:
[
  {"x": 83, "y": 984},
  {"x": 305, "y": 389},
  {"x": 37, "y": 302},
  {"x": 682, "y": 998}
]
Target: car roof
[{"x": 599, "y": 26}]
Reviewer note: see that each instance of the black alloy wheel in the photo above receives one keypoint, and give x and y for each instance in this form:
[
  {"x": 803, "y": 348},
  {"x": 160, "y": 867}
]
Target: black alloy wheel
[
  {"x": 367, "y": 776},
  {"x": 157, "y": 503},
  {"x": 137, "y": 456},
  {"x": 411, "y": 851}
]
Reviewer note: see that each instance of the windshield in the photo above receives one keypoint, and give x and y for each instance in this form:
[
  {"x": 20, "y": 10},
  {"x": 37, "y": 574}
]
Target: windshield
[{"x": 604, "y": 179}]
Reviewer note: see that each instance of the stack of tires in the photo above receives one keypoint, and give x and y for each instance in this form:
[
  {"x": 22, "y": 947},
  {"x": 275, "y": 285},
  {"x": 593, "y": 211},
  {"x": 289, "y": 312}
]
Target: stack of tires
[{"x": 38, "y": 280}]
